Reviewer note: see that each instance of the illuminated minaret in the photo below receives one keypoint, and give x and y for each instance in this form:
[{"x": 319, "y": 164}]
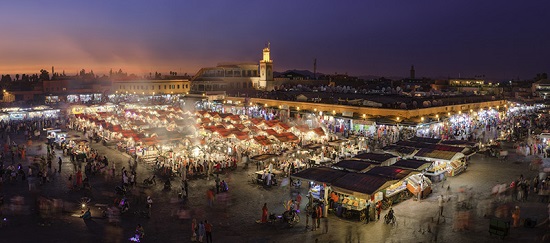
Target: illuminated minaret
[{"x": 266, "y": 66}]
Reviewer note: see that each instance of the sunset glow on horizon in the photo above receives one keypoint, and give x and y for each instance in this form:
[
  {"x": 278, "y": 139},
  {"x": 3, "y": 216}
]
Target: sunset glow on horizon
[{"x": 363, "y": 38}]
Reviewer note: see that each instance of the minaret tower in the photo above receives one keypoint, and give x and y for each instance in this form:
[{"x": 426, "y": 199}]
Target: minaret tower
[
  {"x": 266, "y": 66},
  {"x": 412, "y": 72}
]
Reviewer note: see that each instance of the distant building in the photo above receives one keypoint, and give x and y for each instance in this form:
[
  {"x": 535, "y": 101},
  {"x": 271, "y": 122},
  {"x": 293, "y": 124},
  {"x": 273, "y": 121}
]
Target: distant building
[
  {"x": 235, "y": 76},
  {"x": 541, "y": 89},
  {"x": 475, "y": 86},
  {"x": 151, "y": 87}
]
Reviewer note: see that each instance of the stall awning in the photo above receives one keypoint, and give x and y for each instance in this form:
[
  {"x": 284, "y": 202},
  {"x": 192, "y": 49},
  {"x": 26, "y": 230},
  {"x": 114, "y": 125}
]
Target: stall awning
[
  {"x": 320, "y": 174},
  {"x": 438, "y": 154},
  {"x": 414, "y": 164},
  {"x": 360, "y": 184},
  {"x": 390, "y": 172},
  {"x": 374, "y": 157},
  {"x": 354, "y": 165}
]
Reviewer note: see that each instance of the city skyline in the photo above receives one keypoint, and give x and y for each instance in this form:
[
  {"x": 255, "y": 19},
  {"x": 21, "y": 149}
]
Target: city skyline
[{"x": 465, "y": 38}]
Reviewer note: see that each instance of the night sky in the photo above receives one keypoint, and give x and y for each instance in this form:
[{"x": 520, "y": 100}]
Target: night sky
[{"x": 499, "y": 39}]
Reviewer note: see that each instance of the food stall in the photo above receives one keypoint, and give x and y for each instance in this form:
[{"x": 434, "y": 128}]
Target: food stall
[
  {"x": 319, "y": 179},
  {"x": 383, "y": 159},
  {"x": 263, "y": 160},
  {"x": 356, "y": 191},
  {"x": 395, "y": 192},
  {"x": 445, "y": 163},
  {"x": 419, "y": 183}
]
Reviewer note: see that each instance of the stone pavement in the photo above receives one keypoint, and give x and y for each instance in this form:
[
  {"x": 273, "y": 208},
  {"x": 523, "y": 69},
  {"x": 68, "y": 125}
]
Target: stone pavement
[{"x": 234, "y": 213}]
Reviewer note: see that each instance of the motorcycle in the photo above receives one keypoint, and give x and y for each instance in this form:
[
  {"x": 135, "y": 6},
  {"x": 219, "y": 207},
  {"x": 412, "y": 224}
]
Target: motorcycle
[
  {"x": 149, "y": 181},
  {"x": 390, "y": 219},
  {"x": 120, "y": 190},
  {"x": 124, "y": 205},
  {"x": 137, "y": 237},
  {"x": 291, "y": 218}
]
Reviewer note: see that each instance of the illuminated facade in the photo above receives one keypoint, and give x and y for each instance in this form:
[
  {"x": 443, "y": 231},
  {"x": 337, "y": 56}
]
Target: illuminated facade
[
  {"x": 541, "y": 89},
  {"x": 235, "y": 76}
]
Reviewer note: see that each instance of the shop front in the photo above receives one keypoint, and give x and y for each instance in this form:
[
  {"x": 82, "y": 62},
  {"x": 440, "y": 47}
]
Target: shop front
[
  {"x": 356, "y": 194},
  {"x": 445, "y": 163},
  {"x": 319, "y": 180},
  {"x": 395, "y": 192},
  {"x": 419, "y": 185}
]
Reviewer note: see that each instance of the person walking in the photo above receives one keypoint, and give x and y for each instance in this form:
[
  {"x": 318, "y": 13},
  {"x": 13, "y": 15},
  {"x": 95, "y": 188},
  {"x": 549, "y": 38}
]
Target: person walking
[
  {"x": 319, "y": 210},
  {"x": 186, "y": 187},
  {"x": 210, "y": 197},
  {"x": 217, "y": 184},
  {"x": 326, "y": 225},
  {"x": 298, "y": 201},
  {"x": 313, "y": 218},
  {"x": 308, "y": 212},
  {"x": 440, "y": 203},
  {"x": 208, "y": 229},
  {"x": 202, "y": 231},
  {"x": 264, "y": 213},
  {"x": 378, "y": 210},
  {"x": 149, "y": 206},
  {"x": 194, "y": 229},
  {"x": 515, "y": 216},
  {"x": 59, "y": 162},
  {"x": 367, "y": 213}
]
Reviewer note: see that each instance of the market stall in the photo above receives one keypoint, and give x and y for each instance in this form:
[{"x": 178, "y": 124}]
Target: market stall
[
  {"x": 396, "y": 192},
  {"x": 382, "y": 159},
  {"x": 400, "y": 151},
  {"x": 319, "y": 178},
  {"x": 413, "y": 164},
  {"x": 419, "y": 184},
  {"x": 354, "y": 165},
  {"x": 356, "y": 191},
  {"x": 444, "y": 163}
]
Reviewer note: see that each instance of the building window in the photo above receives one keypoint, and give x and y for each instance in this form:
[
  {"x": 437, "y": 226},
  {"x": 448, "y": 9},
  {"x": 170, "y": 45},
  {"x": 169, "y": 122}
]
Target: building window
[
  {"x": 187, "y": 86},
  {"x": 178, "y": 86},
  {"x": 152, "y": 87},
  {"x": 164, "y": 86}
]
